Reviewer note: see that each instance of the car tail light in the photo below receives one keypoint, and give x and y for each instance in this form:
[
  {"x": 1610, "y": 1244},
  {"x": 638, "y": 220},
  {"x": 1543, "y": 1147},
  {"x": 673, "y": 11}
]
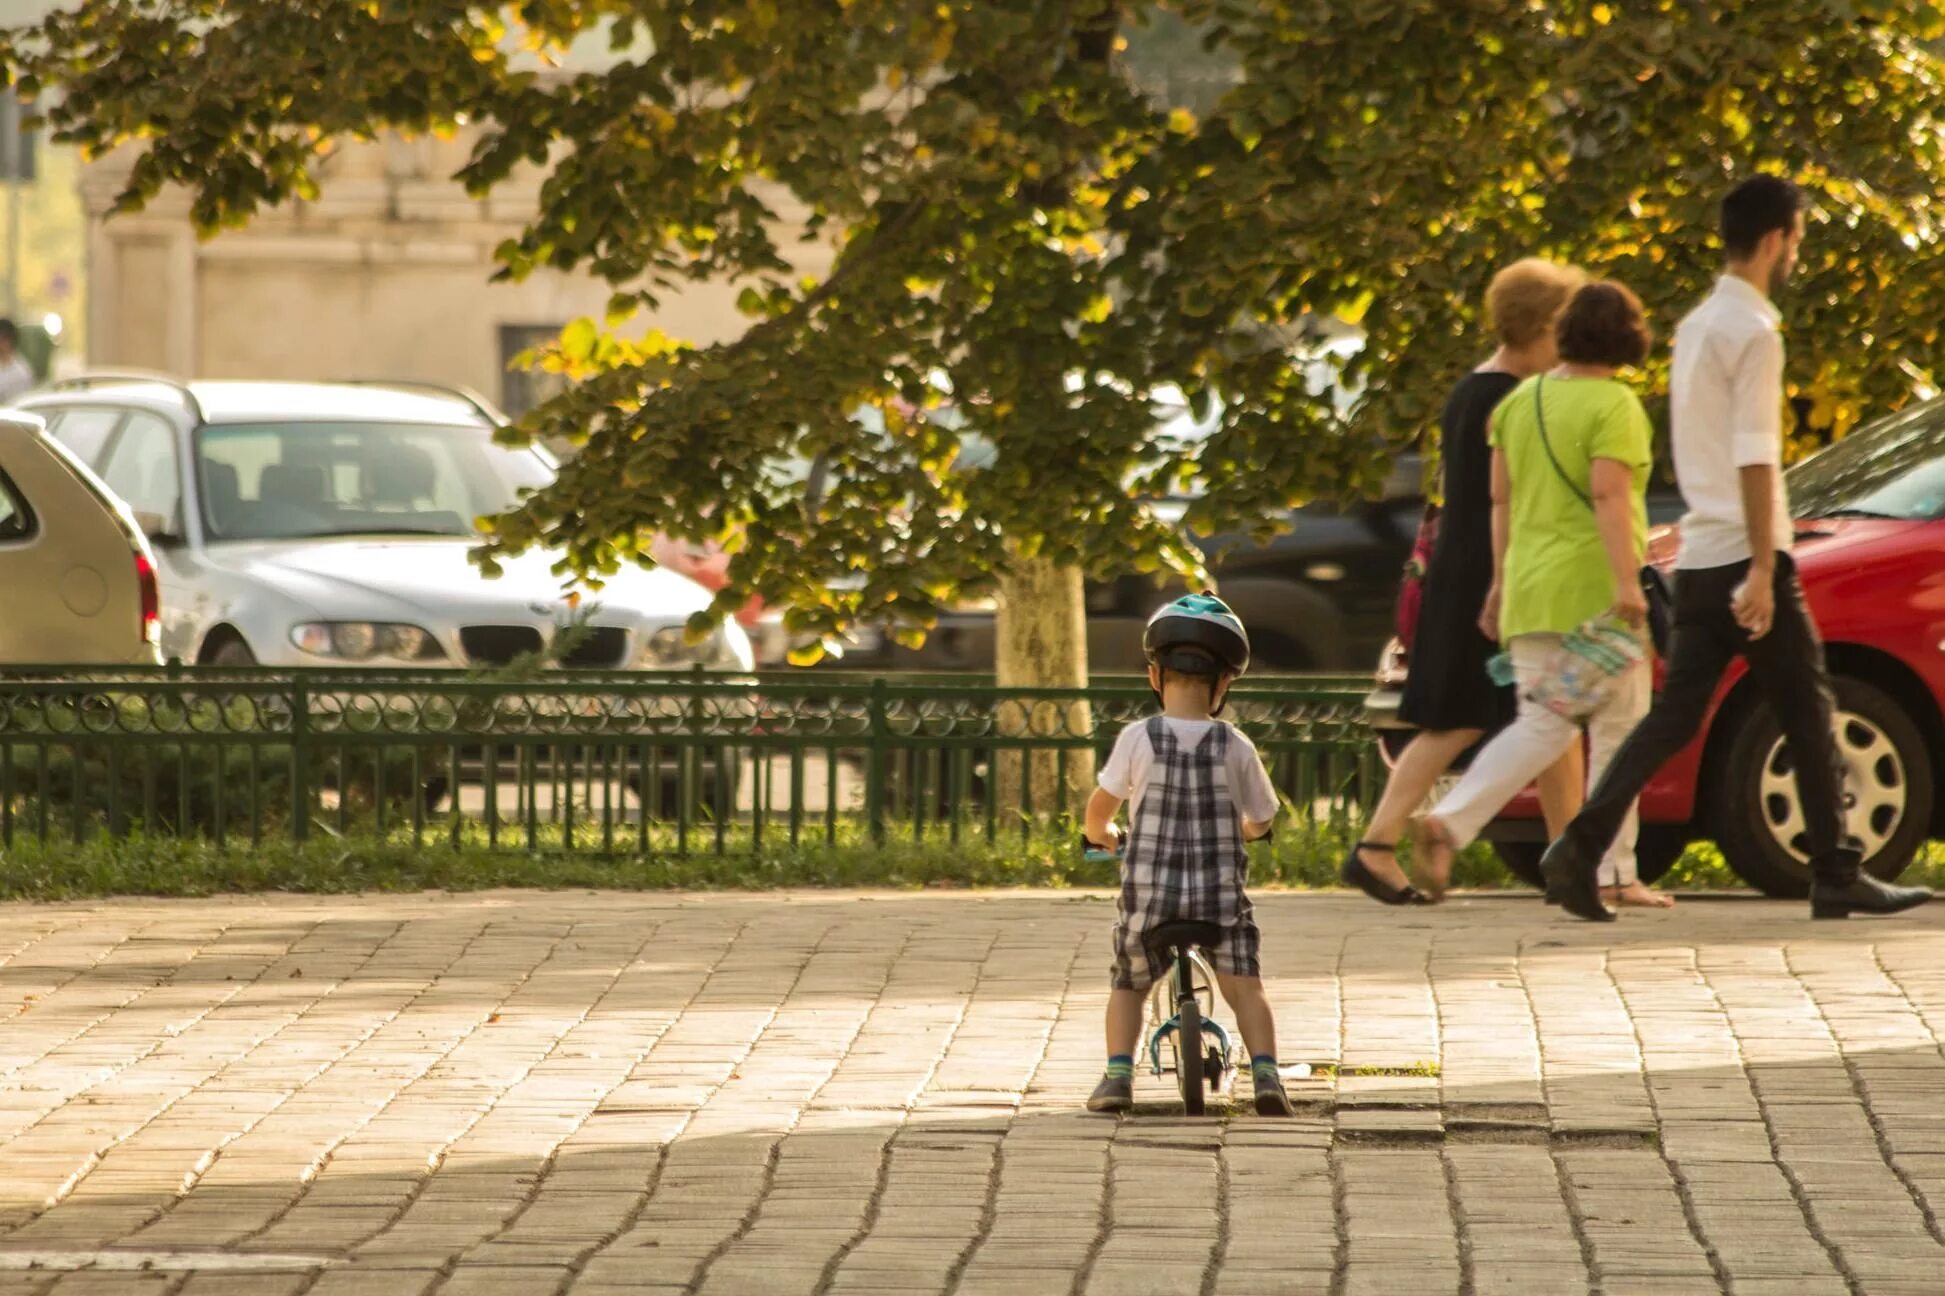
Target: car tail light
[{"x": 151, "y": 598}]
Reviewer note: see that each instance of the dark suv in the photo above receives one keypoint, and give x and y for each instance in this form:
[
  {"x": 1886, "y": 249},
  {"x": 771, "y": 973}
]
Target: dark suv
[{"x": 1319, "y": 596}]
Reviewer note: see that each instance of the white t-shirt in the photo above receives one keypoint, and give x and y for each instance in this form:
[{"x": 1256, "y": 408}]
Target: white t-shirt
[
  {"x": 1126, "y": 773},
  {"x": 1725, "y": 401},
  {"x": 16, "y": 380}
]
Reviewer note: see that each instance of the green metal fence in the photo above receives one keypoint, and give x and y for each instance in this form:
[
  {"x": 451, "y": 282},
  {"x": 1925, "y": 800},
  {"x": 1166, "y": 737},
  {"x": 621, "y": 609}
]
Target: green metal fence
[{"x": 613, "y": 764}]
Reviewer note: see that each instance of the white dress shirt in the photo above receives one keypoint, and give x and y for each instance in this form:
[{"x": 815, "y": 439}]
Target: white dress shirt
[{"x": 1725, "y": 401}]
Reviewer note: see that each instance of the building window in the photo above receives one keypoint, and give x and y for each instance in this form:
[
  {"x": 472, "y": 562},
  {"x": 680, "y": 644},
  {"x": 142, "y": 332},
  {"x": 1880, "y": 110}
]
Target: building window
[{"x": 522, "y": 389}]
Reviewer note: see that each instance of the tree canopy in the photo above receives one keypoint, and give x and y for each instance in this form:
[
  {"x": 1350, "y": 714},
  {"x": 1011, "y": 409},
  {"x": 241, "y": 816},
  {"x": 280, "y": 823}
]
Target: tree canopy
[{"x": 1019, "y": 221}]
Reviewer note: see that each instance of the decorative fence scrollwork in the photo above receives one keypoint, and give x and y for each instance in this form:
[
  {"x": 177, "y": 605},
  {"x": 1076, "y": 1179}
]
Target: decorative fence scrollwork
[{"x": 599, "y": 763}]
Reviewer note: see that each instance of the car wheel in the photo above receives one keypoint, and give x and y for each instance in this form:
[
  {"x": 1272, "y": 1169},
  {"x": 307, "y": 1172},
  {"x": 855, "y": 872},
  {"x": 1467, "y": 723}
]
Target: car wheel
[
  {"x": 1656, "y": 850},
  {"x": 233, "y": 652},
  {"x": 1888, "y": 792}
]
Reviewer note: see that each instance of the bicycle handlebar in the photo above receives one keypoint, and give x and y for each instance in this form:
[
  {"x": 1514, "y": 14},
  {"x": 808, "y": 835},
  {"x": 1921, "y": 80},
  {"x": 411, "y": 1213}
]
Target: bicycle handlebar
[{"x": 1094, "y": 853}]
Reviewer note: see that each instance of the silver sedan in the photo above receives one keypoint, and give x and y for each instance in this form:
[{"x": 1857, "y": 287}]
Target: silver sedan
[{"x": 317, "y": 524}]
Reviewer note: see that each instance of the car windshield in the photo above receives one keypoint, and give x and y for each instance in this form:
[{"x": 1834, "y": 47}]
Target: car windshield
[
  {"x": 285, "y": 481},
  {"x": 1893, "y": 469}
]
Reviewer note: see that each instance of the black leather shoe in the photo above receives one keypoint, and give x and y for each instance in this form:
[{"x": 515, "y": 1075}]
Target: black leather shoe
[
  {"x": 1573, "y": 882},
  {"x": 1866, "y": 895}
]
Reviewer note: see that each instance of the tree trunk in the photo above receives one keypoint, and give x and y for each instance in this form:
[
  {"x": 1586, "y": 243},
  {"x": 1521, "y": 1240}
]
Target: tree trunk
[
  {"x": 1042, "y": 631},
  {"x": 1042, "y": 621}
]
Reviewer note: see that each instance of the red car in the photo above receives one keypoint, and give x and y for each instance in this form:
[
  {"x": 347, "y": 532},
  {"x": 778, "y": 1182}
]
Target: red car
[{"x": 1870, "y": 526}]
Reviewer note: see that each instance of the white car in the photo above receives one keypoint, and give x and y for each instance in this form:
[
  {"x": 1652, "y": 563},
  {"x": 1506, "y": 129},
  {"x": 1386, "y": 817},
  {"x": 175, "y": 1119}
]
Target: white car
[
  {"x": 319, "y": 524},
  {"x": 80, "y": 578}
]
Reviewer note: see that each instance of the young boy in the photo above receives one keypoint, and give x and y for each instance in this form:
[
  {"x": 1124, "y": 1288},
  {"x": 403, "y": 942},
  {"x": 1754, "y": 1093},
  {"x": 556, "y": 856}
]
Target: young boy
[{"x": 1197, "y": 791}]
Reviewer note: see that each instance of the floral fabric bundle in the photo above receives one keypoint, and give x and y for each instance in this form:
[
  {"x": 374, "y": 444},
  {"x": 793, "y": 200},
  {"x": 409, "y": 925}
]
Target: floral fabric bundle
[{"x": 1582, "y": 673}]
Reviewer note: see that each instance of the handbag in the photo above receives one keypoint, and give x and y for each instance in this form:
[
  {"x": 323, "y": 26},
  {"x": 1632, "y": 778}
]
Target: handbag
[
  {"x": 1411, "y": 589},
  {"x": 1654, "y": 586}
]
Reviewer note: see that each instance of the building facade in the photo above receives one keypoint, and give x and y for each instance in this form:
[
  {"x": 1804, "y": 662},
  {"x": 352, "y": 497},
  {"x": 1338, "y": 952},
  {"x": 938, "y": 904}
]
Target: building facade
[{"x": 385, "y": 276}]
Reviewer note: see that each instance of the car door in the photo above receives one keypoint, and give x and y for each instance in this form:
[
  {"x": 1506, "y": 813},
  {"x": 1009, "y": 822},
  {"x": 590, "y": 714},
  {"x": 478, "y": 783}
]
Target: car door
[
  {"x": 67, "y": 564},
  {"x": 142, "y": 464}
]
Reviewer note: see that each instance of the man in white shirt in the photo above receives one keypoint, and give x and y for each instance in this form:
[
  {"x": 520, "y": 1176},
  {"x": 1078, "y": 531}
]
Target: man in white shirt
[
  {"x": 16, "y": 379},
  {"x": 1736, "y": 591}
]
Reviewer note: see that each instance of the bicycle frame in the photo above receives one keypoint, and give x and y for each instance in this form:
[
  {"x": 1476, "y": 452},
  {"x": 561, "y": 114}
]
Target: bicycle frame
[{"x": 1161, "y": 999}]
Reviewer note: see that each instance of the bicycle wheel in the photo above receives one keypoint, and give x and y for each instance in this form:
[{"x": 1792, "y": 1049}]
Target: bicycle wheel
[{"x": 1188, "y": 1035}]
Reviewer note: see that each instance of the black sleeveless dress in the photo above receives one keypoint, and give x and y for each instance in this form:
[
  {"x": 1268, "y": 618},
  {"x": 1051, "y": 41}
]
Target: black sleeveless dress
[{"x": 1446, "y": 686}]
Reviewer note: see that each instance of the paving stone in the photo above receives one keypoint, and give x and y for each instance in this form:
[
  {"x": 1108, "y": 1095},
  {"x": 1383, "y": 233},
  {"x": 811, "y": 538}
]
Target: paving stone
[{"x": 821, "y": 1092}]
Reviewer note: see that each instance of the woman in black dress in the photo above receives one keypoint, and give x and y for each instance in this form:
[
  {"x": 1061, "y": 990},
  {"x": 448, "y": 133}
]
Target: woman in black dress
[{"x": 1448, "y": 695}]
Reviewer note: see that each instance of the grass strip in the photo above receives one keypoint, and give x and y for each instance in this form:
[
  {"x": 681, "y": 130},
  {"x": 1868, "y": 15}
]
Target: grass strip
[{"x": 158, "y": 865}]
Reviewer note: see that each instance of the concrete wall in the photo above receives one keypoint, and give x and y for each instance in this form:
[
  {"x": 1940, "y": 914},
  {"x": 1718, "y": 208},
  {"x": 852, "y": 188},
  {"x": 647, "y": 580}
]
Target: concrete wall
[{"x": 385, "y": 276}]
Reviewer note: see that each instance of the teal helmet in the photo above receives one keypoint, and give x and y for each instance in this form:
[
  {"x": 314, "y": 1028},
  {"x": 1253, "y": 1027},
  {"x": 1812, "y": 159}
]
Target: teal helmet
[{"x": 1197, "y": 634}]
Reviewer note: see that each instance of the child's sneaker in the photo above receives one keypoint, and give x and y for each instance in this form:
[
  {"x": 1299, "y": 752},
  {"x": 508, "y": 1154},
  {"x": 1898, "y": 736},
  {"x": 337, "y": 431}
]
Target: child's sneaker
[
  {"x": 1113, "y": 1094},
  {"x": 1270, "y": 1098}
]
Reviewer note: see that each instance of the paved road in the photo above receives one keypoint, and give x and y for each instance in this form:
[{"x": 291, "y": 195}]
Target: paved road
[{"x": 539, "y": 1093}]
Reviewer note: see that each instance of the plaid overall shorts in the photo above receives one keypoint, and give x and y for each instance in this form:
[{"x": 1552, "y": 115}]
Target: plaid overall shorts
[{"x": 1185, "y": 860}]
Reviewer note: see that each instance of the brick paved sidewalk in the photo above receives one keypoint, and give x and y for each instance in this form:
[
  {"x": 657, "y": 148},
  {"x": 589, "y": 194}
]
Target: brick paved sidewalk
[{"x": 809, "y": 1093}]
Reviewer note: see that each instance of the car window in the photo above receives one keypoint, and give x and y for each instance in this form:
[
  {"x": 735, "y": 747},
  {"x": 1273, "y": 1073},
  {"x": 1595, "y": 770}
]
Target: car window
[
  {"x": 1894, "y": 468},
  {"x": 301, "y": 480},
  {"x": 142, "y": 467},
  {"x": 86, "y": 431},
  {"x": 16, "y": 519}
]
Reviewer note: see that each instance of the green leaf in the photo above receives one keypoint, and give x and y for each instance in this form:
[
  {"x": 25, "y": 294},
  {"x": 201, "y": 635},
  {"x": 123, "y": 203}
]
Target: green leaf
[
  {"x": 622, "y": 308},
  {"x": 578, "y": 341}
]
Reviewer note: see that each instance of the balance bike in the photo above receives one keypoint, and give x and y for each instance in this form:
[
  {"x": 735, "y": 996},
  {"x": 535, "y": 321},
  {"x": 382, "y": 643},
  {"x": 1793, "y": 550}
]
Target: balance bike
[
  {"x": 1182, "y": 1005},
  {"x": 1202, "y": 1050}
]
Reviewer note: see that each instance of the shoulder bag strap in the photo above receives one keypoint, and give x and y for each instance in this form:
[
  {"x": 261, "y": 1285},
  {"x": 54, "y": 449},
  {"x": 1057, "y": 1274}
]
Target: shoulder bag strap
[{"x": 1540, "y": 414}]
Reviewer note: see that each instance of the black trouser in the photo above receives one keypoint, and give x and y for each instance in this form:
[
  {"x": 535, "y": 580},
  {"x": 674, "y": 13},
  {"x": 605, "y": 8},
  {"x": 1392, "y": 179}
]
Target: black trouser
[{"x": 1786, "y": 665}]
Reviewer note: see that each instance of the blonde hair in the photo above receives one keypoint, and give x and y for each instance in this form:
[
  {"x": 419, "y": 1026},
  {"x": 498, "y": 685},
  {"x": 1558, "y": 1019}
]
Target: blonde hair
[{"x": 1526, "y": 297}]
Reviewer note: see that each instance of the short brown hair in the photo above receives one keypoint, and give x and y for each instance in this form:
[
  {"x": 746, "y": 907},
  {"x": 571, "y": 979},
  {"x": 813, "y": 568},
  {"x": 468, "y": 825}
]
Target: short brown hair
[
  {"x": 1524, "y": 298},
  {"x": 1604, "y": 325}
]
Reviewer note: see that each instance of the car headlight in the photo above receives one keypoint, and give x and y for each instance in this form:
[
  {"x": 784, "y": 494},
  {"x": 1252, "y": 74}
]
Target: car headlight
[
  {"x": 669, "y": 649},
  {"x": 365, "y": 640}
]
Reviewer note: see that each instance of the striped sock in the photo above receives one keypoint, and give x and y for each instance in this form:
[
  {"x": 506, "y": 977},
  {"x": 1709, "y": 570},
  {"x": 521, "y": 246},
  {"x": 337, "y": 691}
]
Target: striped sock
[
  {"x": 1262, "y": 1067},
  {"x": 1121, "y": 1066}
]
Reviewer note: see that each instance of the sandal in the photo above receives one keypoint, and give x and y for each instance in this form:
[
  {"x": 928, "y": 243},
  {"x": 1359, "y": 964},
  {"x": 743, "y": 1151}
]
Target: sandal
[
  {"x": 1637, "y": 895},
  {"x": 1356, "y": 874}
]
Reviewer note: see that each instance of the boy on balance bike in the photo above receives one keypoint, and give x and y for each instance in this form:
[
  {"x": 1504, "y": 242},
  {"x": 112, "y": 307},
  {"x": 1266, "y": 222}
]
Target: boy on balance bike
[{"x": 1197, "y": 791}]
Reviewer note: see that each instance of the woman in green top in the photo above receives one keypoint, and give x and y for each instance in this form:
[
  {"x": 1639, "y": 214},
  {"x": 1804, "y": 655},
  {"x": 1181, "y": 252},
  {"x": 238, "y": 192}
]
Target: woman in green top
[{"x": 1571, "y": 454}]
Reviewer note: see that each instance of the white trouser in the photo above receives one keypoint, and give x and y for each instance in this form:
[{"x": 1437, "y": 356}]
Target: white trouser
[{"x": 1536, "y": 738}]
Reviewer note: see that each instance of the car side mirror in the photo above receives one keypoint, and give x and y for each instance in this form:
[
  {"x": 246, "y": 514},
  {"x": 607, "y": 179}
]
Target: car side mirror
[{"x": 156, "y": 528}]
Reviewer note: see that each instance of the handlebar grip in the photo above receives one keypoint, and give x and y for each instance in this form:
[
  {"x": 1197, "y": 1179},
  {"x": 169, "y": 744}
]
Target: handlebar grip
[{"x": 1094, "y": 853}]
